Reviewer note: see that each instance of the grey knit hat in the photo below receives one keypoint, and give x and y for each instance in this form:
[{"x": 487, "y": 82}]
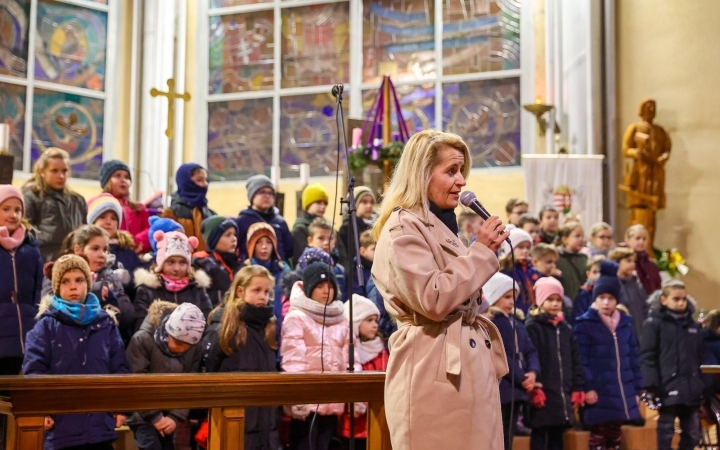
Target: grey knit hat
[
  {"x": 108, "y": 168},
  {"x": 257, "y": 182}
]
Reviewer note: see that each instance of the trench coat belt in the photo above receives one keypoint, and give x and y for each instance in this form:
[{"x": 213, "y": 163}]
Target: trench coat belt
[{"x": 453, "y": 336}]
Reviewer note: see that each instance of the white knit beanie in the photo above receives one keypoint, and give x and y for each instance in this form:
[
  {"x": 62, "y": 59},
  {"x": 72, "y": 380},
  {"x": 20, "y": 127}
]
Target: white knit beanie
[
  {"x": 496, "y": 287},
  {"x": 362, "y": 309},
  {"x": 517, "y": 236},
  {"x": 186, "y": 324}
]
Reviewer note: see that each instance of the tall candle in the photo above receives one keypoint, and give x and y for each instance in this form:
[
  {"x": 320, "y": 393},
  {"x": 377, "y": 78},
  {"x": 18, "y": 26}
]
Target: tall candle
[
  {"x": 304, "y": 174},
  {"x": 4, "y": 138},
  {"x": 274, "y": 176},
  {"x": 356, "y": 137}
]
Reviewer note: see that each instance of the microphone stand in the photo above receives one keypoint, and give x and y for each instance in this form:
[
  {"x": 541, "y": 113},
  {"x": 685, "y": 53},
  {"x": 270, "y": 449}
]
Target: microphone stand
[{"x": 353, "y": 242}]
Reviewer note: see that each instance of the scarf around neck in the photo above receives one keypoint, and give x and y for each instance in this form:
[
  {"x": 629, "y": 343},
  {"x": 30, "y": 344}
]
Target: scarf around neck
[
  {"x": 257, "y": 316},
  {"x": 446, "y": 216},
  {"x": 80, "y": 313},
  {"x": 188, "y": 189},
  {"x": 369, "y": 350},
  {"x": 554, "y": 320},
  {"x": 175, "y": 285},
  {"x": 12, "y": 241},
  {"x": 333, "y": 312},
  {"x": 610, "y": 321}
]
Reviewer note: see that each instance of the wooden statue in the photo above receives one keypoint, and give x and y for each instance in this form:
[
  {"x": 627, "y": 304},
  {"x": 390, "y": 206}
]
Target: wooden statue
[{"x": 649, "y": 147}]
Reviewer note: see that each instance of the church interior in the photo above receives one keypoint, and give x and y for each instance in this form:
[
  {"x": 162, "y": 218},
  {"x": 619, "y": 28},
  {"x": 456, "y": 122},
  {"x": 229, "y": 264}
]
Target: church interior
[{"x": 591, "y": 109}]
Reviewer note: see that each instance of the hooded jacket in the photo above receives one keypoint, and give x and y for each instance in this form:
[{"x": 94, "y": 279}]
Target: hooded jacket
[
  {"x": 189, "y": 217},
  {"x": 145, "y": 356},
  {"x": 150, "y": 288},
  {"x": 59, "y": 346},
  {"x": 671, "y": 352},
  {"x": 573, "y": 267},
  {"x": 612, "y": 368},
  {"x": 285, "y": 240},
  {"x": 561, "y": 372},
  {"x": 22, "y": 273}
]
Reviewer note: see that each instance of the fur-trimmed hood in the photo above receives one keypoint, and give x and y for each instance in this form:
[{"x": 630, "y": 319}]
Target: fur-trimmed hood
[
  {"x": 654, "y": 303},
  {"x": 144, "y": 277},
  {"x": 157, "y": 310},
  {"x": 519, "y": 314}
]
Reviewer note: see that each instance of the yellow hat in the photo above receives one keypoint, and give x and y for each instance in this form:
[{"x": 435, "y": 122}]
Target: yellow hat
[{"x": 314, "y": 193}]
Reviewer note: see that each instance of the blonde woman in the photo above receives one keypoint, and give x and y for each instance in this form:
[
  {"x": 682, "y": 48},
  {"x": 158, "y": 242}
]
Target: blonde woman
[
  {"x": 50, "y": 206},
  {"x": 445, "y": 360}
]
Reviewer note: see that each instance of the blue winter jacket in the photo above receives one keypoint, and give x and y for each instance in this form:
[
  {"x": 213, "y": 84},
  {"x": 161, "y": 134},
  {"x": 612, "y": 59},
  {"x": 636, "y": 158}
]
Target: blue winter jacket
[
  {"x": 386, "y": 324},
  {"x": 526, "y": 356},
  {"x": 612, "y": 368},
  {"x": 59, "y": 346},
  {"x": 525, "y": 275},
  {"x": 127, "y": 257},
  {"x": 582, "y": 302},
  {"x": 366, "y": 268},
  {"x": 249, "y": 216},
  {"x": 23, "y": 272}
]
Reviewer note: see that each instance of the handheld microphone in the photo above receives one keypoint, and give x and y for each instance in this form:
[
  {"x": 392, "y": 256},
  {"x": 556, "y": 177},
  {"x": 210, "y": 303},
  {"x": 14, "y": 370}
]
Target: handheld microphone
[{"x": 469, "y": 200}]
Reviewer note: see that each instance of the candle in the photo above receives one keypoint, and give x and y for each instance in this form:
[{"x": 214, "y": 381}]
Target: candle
[
  {"x": 356, "y": 138},
  {"x": 395, "y": 136},
  {"x": 538, "y": 100},
  {"x": 304, "y": 174},
  {"x": 274, "y": 176},
  {"x": 4, "y": 138}
]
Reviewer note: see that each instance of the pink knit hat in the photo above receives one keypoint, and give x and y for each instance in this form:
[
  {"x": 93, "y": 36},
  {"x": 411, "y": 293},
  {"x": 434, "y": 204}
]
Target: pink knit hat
[
  {"x": 545, "y": 287},
  {"x": 173, "y": 243},
  {"x": 8, "y": 191}
]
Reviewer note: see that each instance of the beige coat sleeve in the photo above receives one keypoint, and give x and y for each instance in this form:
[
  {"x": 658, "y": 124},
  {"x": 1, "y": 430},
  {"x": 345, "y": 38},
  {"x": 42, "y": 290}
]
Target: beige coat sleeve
[{"x": 415, "y": 278}]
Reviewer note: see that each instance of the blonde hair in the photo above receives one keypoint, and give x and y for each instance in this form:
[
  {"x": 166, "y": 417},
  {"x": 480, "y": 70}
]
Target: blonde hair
[
  {"x": 37, "y": 183},
  {"x": 366, "y": 239},
  {"x": 633, "y": 230},
  {"x": 233, "y": 331},
  {"x": 597, "y": 259},
  {"x": 411, "y": 178},
  {"x": 621, "y": 253},
  {"x": 541, "y": 250},
  {"x": 598, "y": 227},
  {"x": 567, "y": 230}
]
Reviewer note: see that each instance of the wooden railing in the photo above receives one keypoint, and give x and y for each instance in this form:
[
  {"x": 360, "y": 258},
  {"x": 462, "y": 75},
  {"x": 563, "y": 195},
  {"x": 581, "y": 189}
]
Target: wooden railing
[
  {"x": 715, "y": 370},
  {"x": 224, "y": 395}
]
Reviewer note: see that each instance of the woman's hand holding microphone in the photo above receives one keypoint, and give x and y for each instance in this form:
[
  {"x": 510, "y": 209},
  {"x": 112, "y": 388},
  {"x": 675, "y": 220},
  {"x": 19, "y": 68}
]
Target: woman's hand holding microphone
[{"x": 492, "y": 233}]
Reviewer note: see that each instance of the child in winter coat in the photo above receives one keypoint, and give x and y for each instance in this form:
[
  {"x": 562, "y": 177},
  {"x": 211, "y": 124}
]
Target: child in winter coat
[
  {"x": 167, "y": 342},
  {"x": 321, "y": 233},
  {"x": 585, "y": 298},
  {"x": 609, "y": 354},
  {"x": 220, "y": 260},
  {"x": 647, "y": 271},
  {"x": 50, "y": 206},
  {"x": 315, "y": 337},
  {"x": 632, "y": 294},
  {"x": 74, "y": 335},
  {"x": 544, "y": 259},
  {"x": 600, "y": 241},
  {"x": 523, "y": 272},
  {"x": 365, "y": 209},
  {"x": 244, "y": 341},
  {"x": 572, "y": 262},
  {"x": 561, "y": 372},
  {"x": 116, "y": 180},
  {"x": 549, "y": 224},
  {"x": 262, "y": 251},
  {"x": 671, "y": 352},
  {"x": 261, "y": 193},
  {"x": 373, "y": 357},
  {"x": 93, "y": 243},
  {"x": 314, "y": 201},
  {"x": 519, "y": 349},
  {"x": 189, "y": 204},
  {"x": 172, "y": 278},
  {"x": 21, "y": 283},
  {"x": 367, "y": 255}
]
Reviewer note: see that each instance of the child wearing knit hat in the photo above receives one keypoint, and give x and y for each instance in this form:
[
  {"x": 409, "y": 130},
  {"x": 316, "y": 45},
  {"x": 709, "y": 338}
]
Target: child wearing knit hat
[
  {"x": 167, "y": 342},
  {"x": 365, "y": 210},
  {"x": 609, "y": 354},
  {"x": 21, "y": 267},
  {"x": 561, "y": 372},
  {"x": 172, "y": 278},
  {"x": 372, "y": 356},
  {"x": 74, "y": 335},
  {"x": 499, "y": 293},
  {"x": 523, "y": 271},
  {"x": 314, "y": 201},
  {"x": 219, "y": 261},
  {"x": 262, "y": 250}
]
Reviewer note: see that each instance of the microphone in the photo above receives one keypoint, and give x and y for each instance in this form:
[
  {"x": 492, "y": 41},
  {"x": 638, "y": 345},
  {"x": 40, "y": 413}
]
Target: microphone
[
  {"x": 337, "y": 90},
  {"x": 469, "y": 200}
]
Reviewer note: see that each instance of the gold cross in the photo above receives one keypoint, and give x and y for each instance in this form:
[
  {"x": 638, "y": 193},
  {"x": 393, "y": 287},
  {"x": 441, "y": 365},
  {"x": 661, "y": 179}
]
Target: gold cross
[{"x": 171, "y": 96}]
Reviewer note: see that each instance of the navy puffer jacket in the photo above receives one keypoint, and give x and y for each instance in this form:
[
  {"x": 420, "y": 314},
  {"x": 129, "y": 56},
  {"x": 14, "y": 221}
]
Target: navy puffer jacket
[
  {"x": 612, "y": 368},
  {"x": 249, "y": 216},
  {"x": 21, "y": 271},
  {"x": 59, "y": 346}
]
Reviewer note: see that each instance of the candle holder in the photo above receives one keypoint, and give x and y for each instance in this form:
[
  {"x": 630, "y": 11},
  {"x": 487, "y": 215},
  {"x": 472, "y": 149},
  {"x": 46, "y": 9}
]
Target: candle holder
[{"x": 539, "y": 110}]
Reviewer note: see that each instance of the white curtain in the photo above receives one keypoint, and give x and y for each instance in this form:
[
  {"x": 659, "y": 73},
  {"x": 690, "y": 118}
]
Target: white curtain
[{"x": 572, "y": 183}]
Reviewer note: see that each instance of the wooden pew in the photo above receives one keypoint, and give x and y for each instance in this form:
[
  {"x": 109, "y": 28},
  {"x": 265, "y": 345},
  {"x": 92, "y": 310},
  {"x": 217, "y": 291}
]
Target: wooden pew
[{"x": 224, "y": 395}]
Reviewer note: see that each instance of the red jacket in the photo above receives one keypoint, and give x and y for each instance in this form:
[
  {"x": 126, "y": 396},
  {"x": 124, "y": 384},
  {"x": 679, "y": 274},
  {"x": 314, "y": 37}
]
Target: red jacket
[
  {"x": 379, "y": 364},
  {"x": 136, "y": 223}
]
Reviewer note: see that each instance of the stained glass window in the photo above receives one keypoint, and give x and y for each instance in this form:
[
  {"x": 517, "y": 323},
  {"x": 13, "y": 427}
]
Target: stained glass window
[
  {"x": 214, "y": 4},
  {"x": 14, "y": 26},
  {"x": 417, "y": 104},
  {"x": 239, "y": 138},
  {"x": 241, "y": 52},
  {"x": 316, "y": 45},
  {"x": 70, "y": 45},
  {"x": 308, "y": 134},
  {"x": 12, "y": 112},
  {"x": 486, "y": 114}
]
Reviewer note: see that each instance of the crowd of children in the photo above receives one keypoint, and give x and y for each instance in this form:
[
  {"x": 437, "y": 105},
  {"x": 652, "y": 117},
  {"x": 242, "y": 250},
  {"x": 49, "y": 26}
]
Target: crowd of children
[{"x": 588, "y": 326}]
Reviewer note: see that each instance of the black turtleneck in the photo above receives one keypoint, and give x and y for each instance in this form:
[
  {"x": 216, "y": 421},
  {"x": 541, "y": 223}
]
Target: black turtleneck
[
  {"x": 446, "y": 216},
  {"x": 266, "y": 215}
]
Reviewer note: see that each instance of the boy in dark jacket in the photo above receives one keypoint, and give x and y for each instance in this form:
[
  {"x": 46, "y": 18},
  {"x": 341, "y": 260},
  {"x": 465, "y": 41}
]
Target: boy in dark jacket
[
  {"x": 261, "y": 193},
  {"x": 671, "y": 353},
  {"x": 74, "y": 335},
  {"x": 220, "y": 261},
  {"x": 561, "y": 373},
  {"x": 632, "y": 293},
  {"x": 519, "y": 349},
  {"x": 367, "y": 255},
  {"x": 314, "y": 202},
  {"x": 609, "y": 353},
  {"x": 549, "y": 224},
  {"x": 585, "y": 298},
  {"x": 365, "y": 208},
  {"x": 167, "y": 342}
]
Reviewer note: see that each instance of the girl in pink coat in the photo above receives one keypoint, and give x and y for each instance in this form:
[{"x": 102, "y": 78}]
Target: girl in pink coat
[{"x": 305, "y": 347}]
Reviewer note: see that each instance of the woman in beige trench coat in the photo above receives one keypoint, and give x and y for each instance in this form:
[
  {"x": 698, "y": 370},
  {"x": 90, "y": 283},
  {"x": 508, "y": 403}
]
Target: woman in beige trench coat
[{"x": 442, "y": 389}]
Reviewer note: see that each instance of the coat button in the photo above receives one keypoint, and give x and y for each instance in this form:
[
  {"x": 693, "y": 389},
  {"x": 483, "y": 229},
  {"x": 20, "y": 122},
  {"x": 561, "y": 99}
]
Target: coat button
[
  {"x": 472, "y": 343},
  {"x": 487, "y": 343}
]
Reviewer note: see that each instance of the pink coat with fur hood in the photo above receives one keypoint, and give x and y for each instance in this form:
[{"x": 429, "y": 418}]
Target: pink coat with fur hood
[{"x": 300, "y": 349}]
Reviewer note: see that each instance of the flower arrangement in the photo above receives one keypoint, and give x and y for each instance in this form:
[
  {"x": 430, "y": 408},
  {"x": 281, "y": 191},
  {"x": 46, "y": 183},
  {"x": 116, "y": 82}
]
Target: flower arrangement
[{"x": 671, "y": 261}]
